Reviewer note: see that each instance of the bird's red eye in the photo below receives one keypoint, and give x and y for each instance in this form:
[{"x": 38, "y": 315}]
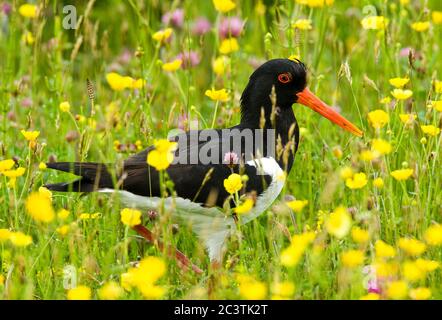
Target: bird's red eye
[{"x": 284, "y": 77}]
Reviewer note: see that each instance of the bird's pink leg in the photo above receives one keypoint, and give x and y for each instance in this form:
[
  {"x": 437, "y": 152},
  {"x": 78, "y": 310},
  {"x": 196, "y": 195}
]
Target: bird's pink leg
[{"x": 183, "y": 261}]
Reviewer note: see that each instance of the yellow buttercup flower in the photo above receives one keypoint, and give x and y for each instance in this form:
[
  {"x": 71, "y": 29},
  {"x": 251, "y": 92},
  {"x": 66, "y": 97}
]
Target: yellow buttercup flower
[
  {"x": 338, "y": 223},
  {"x": 436, "y": 16},
  {"x": 28, "y": 10},
  {"x": 437, "y": 105},
  {"x": 433, "y": 235},
  {"x": 412, "y": 272},
  {"x": 420, "y": 293},
  {"x": 397, "y": 290},
  {"x": 173, "y": 65},
  {"x": 65, "y": 106},
  {"x": 384, "y": 250},
  {"x": 30, "y": 135},
  {"x": 346, "y": 173},
  {"x": 19, "y": 239},
  {"x": 6, "y": 165},
  {"x": 110, "y": 291},
  {"x": 374, "y": 23},
  {"x": 401, "y": 174},
  {"x": 79, "y": 293},
  {"x": 297, "y": 205},
  {"x": 427, "y": 265},
  {"x": 251, "y": 289},
  {"x": 438, "y": 86},
  {"x": 367, "y": 155},
  {"x": 63, "y": 230},
  {"x": 220, "y": 65},
  {"x": 358, "y": 181},
  {"x": 291, "y": 255},
  {"x": 401, "y": 94},
  {"x": 352, "y": 258},
  {"x": 385, "y": 100},
  {"x": 245, "y": 207},
  {"x": 162, "y": 156},
  {"x": 39, "y": 207},
  {"x": 407, "y": 118},
  {"x": 13, "y": 175},
  {"x": 89, "y": 216},
  {"x": 430, "y": 130},
  {"x": 421, "y": 26},
  {"x": 381, "y": 146},
  {"x": 116, "y": 81},
  {"x": 378, "y": 118},
  {"x": 5, "y": 234},
  {"x": 224, "y": 5},
  {"x": 62, "y": 214},
  {"x": 130, "y": 217},
  {"x": 378, "y": 183},
  {"x": 359, "y": 235},
  {"x": 412, "y": 247},
  {"x": 42, "y": 166},
  {"x": 399, "y": 82},
  {"x": 284, "y": 289},
  {"x": 233, "y": 183},
  {"x": 28, "y": 38},
  {"x": 162, "y": 35},
  {"x": 228, "y": 46},
  {"x": 370, "y": 296},
  {"x": 315, "y": 3},
  {"x": 218, "y": 95},
  {"x": 302, "y": 24}
]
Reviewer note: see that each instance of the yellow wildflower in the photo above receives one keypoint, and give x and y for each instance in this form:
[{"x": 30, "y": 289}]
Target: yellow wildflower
[
  {"x": 427, "y": 265},
  {"x": 162, "y": 35},
  {"x": 384, "y": 250},
  {"x": 421, "y": 26},
  {"x": 28, "y": 10},
  {"x": 162, "y": 156},
  {"x": 30, "y": 135},
  {"x": 28, "y": 38},
  {"x": 302, "y": 24},
  {"x": 224, "y": 5},
  {"x": 42, "y": 166},
  {"x": 438, "y": 86},
  {"x": 6, "y": 165},
  {"x": 62, "y": 214},
  {"x": 412, "y": 247},
  {"x": 13, "y": 175},
  {"x": 233, "y": 183},
  {"x": 63, "y": 230},
  {"x": 116, "y": 81},
  {"x": 19, "y": 239},
  {"x": 346, "y": 173},
  {"x": 381, "y": 146},
  {"x": 374, "y": 23},
  {"x": 173, "y": 65},
  {"x": 437, "y": 105},
  {"x": 401, "y": 174},
  {"x": 291, "y": 255},
  {"x": 315, "y": 3},
  {"x": 245, "y": 207},
  {"x": 385, "y": 100},
  {"x": 251, "y": 289},
  {"x": 352, "y": 258},
  {"x": 433, "y": 235},
  {"x": 420, "y": 293},
  {"x": 79, "y": 293},
  {"x": 5, "y": 234},
  {"x": 217, "y": 95},
  {"x": 87, "y": 216},
  {"x": 297, "y": 205},
  {"x": 228, "y": 46},
  {"x": 378, "y": 118},
  {"x": 359, "y": 235},
  {"x": 371, "y": 296},
  {"x": 220, "y": 65},
  {"x": 407, "y": 118},
  {"x": 110, "y": 291},
  {"x": 430, "y": 130},
  {"x": 412, "y": 272},
  {"x": 386, "y": 269},
  {"x": 378, "y": 183},
  {"x": 130, "y": 217},
  {"x": 45, "y": 192},
  {"x": 39, "y": 207},
  {"x": 283, "y": 289},
  {"x": 397, "y": 290},
  {"x": 399, "y": 82},
  {"x": 367, "y": 155},
  {"x": 358, "y": 181},
  {"x": 339, "y": 222},
  {"x": 65, "y": 106},
  {"x": 401, "y": 94},
  {"x": 437, "y": 17}
]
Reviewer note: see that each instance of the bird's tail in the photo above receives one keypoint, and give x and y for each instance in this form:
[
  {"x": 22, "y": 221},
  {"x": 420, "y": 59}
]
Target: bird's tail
[{"x": 93, "y": 176}]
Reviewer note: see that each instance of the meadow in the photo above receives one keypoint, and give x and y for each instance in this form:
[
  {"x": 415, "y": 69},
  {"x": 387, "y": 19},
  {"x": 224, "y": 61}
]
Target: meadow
[{"x": 359, "y": 218}]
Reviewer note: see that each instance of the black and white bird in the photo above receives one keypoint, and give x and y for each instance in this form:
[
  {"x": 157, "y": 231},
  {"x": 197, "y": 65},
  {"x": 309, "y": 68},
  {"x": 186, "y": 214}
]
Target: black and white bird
[{"x": 266, "y": 103}]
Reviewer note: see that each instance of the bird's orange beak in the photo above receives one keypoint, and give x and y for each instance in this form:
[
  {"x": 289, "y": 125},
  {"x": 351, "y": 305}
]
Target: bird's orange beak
[{"x": 307, "y": 98}]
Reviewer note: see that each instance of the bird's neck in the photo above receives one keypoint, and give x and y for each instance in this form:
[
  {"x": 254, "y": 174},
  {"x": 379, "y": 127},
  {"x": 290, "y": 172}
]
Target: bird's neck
[{"x": 283, "y": 121}]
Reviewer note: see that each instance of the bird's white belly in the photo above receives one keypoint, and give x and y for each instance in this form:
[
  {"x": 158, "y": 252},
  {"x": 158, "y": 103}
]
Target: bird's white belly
[{"x": 210, "y": 224}]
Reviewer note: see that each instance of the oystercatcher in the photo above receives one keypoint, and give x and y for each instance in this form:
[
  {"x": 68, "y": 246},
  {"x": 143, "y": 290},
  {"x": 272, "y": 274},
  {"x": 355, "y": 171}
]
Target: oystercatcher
[{"x": 266, "y": 105}]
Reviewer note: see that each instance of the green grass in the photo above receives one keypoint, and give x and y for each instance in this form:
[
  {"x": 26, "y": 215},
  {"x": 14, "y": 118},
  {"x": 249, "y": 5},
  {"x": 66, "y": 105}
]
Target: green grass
[{"x": 55, "y": 67}]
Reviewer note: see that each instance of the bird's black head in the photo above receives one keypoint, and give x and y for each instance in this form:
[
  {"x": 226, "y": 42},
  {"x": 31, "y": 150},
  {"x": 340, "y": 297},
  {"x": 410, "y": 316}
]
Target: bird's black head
[{"x": 289, "y": 78}]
